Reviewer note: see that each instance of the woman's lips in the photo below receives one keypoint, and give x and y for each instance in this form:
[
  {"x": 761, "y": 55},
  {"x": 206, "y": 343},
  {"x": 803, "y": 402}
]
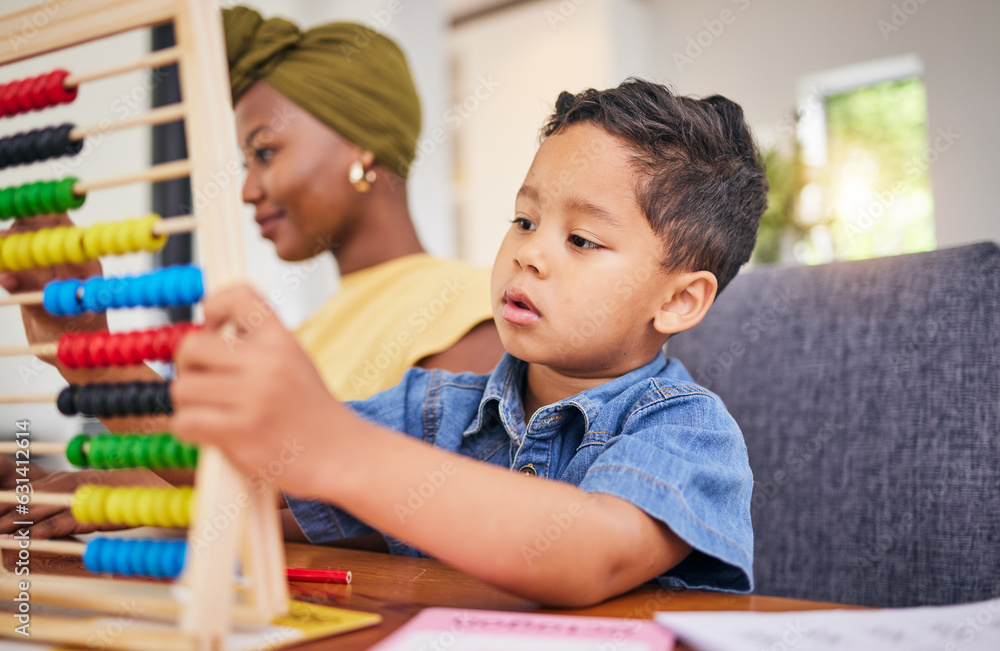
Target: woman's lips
[
  {"x": 268, "y": 224},
  {"x": 518, "y": 310}
]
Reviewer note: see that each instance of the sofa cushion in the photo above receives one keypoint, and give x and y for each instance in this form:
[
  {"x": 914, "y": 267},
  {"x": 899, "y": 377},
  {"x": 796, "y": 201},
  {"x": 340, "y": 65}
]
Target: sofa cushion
[{"x": 869, "y": 396}]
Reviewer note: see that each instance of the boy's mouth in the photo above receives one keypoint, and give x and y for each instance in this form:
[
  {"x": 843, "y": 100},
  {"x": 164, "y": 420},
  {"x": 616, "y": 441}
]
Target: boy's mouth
[{"x": 518, "y": 309}]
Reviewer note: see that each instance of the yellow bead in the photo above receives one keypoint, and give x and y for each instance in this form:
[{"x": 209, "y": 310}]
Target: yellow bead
[
  {"x": 3, "y": 267},
  {"x": 73, "y": 245},
  {"x": 109, "y": 240},
  {"x": 9, "y": 251},
  {"x": 145, "y": 239},
  {"x": 40, "y": 247},
  {"x": 125, "y": 240},
  {"x": 114, "y": 507},
  {"x": 92, "y": 237},
  {"x": 24, "y": 258},
  {"x": 146, "y": 507}
]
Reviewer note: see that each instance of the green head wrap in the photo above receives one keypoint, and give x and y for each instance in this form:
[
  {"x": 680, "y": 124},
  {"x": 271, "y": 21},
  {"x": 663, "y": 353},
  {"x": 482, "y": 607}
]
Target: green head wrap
[{"x": 346, "y": 75}]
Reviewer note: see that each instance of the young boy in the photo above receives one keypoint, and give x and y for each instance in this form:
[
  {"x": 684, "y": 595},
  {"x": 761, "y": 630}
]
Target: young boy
[{"x": 586, "y": 463}]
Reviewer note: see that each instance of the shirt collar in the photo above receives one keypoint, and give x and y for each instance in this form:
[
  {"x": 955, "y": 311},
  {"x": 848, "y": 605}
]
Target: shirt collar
[{"x": 502, "y": 395}]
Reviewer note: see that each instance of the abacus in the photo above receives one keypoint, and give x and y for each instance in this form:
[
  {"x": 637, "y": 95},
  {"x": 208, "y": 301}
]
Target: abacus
[{"x": 209, "y": 600}]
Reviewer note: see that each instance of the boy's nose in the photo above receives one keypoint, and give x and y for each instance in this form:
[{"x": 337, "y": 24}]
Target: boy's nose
[{"x": 531, "y": 256}]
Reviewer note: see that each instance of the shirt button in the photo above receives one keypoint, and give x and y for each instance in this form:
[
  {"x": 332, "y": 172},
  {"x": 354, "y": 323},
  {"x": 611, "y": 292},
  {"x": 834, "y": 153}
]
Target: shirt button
[{"x": 528, "y": 470}]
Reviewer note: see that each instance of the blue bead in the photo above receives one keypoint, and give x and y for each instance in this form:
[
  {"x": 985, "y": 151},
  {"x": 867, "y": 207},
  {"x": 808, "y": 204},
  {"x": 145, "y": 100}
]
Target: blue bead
[
  {"x": 50, "y": 297},
  {"x": 96, "y": 296},
  {"x": 172, "y": 286},
  {"x": 92, "y": 554},
  {"x": 135, "y": 291},
  {"x": 111, "y": 556},
  {"x": 155, "y": 288},
  {"x": 69, "y": 298},
  {"x": 144, "y": 558},
  {"x": 194, "y": 286},
  {"x": 119, "y": 289},
  {"x": 174, "y": 559}
]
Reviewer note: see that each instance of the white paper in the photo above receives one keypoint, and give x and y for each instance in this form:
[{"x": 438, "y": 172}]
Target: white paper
[{"x": 966, "y": 627}]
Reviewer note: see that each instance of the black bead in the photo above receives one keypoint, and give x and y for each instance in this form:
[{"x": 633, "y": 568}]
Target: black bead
[
  {"x": 87, "y": 399},
  {"x": 44, "y": 142},
  {"x": 113, "y": 400},
  {"x": 67, "y": 400},
  {"x": 5, "y": 152},
  {"x": 163, "y": 399},
  {"x": 147, "y": 398},
  {"x": 18, "y": 148},
  {"x": 130, "y": 398},
  {"x": 67, "y": 146},
  {"x": 31, "y": 152}
]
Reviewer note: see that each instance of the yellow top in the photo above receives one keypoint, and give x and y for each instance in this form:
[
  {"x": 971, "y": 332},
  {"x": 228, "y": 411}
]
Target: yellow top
[{"x": 386, "y": 318}]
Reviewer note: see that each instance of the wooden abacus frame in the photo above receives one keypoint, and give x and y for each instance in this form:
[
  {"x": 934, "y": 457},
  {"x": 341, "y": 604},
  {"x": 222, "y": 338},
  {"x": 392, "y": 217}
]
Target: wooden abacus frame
[{"x": 209, "y": 601}]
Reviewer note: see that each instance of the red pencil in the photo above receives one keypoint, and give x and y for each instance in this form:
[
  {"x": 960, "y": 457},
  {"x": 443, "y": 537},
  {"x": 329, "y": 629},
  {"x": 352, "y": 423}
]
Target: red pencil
[{"x": 318, "y": 576}]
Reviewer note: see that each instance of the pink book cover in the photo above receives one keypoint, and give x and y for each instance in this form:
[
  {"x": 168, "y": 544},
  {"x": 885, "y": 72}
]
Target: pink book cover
[{"x": 459, "y": 629}]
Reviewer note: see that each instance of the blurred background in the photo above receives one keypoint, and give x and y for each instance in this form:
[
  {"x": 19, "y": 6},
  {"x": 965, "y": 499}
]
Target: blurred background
[{"x": 878, "y": 120}]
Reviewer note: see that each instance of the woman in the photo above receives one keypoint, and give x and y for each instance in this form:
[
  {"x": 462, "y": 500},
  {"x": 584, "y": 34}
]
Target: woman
[
  {"x": 329, "y": 131},
  {"x": 328, "y": 120}
]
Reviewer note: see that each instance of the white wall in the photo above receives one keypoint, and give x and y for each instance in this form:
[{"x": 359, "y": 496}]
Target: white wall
[
  {"x": 508, "y": 70},
  {"x": 759, "y": 56},
  {"x": 753, "y": 51}
]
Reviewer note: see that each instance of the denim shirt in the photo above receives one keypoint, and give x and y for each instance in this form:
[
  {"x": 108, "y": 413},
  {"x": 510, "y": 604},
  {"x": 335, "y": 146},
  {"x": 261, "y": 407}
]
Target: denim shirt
[{"x": 652, "y": 437}]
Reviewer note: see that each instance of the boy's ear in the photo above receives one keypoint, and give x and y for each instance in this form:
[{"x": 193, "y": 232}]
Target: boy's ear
[{"x": 689, "y": 296}]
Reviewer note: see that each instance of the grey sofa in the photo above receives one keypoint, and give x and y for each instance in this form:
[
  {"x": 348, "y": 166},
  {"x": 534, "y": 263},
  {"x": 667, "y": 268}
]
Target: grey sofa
[{"x": 869, "y": 396}]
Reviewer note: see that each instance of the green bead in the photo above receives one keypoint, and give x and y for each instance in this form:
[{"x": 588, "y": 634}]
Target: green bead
[
  {"x": 47, "y": 199},
  {"x": 32, "y": 197},
  {"x": 133, "y": 451},
  {"x": 20, "y": 202},
  {"x": 172, "y": 452},
  {"x": 7, "y": 203},
  {"x": 97, "y": 452},
  {"x": 74, "y": 451},
  {"x": 65, "y": 196},
  {"x": 190, "y": 455},
  {"x": 156, "y": 452}
]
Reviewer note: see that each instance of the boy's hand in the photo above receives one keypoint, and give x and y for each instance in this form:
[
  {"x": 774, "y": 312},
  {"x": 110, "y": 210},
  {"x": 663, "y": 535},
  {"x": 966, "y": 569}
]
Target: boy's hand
[{"x": 245, "y": 385}]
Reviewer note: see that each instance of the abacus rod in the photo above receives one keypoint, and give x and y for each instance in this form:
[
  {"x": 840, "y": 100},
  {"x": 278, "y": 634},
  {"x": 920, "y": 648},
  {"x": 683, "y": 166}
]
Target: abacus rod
[
  {"x": 38, "y": 350},
  {"x": 161, "y": 115},
  {"x": 67, "y": 547},
  {"x": 163, "y": 172},
  {"x": 10, "y": 447},
  {"x": 26, "y": 298},
  {"x": 155, "y": 60},
  {"x": 174, "y": 225},
  {"x": 30, "y": 397},
  {"x": 49, "y": 499}
]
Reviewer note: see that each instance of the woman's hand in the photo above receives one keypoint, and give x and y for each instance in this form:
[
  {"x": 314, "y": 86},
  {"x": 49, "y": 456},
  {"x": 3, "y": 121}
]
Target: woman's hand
[{"x": 40, "y": 327}]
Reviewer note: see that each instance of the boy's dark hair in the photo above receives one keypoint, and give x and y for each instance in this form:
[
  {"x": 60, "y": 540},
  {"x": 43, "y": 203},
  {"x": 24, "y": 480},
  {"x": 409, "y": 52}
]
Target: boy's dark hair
[{"x": 702, "y": 183}]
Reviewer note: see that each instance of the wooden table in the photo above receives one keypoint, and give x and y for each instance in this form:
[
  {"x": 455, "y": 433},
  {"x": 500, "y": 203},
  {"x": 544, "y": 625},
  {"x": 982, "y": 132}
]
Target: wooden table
[{"x": 397, "y": 588}]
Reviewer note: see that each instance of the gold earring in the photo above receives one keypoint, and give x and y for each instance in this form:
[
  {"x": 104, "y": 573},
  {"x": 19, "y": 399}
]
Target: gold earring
[{"x": 359, "y": 178}]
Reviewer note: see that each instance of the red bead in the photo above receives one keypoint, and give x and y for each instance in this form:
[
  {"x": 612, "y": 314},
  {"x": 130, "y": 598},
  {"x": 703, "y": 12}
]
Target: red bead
[
  {"x": 144, "y": 345},
  {"x": 113, "y": 350},
  {"x": 78, "y": 348},
  {"x": 8, "y": 96},
  {"x": 39, "y": 93},
  {"x": 59, "y": 94},
  {"x": 176, "y": 334},
  {"x": 98, "y": 348},
  {"x": 24, "y": 100},
  {"x": 161, "y": 343},
  {"x": 63, "y": 353}
]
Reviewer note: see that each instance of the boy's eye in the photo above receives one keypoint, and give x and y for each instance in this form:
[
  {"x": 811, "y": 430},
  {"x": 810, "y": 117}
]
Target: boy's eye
[
  {"x": 263, "y": 154},
  {"x": 576, "y": 240},
  {"x": 523, "y": 224}
]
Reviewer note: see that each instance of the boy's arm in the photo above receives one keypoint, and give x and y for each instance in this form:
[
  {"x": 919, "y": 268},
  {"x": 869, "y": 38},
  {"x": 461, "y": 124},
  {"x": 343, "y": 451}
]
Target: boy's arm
[{"x": 542, "y": 539}]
